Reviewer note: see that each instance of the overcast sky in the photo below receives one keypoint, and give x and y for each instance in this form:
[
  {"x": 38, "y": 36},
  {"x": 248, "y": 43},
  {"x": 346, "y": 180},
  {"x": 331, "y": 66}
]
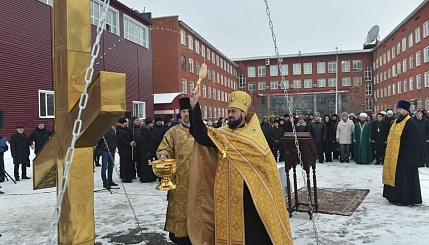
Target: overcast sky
[{"x": 239, "y": 28}]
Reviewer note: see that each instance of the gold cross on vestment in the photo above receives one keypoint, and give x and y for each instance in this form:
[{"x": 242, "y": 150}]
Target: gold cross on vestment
[{"x": 72, "y": 56}]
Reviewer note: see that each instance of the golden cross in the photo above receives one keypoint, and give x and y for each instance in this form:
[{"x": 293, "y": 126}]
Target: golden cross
[{"x": 72, "y": 56}]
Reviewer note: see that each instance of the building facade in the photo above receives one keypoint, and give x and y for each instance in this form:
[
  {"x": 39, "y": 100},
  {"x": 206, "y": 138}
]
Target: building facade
[
  {"x": 310, "y": 81},
  {"x": 178, "y": 54},
  {"x": 401, "y": 63},
  {"x": 27, "y": 95}
]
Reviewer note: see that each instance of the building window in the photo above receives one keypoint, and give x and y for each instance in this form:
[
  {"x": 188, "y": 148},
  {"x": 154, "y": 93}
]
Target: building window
[
  {"x": 389, "y": 90},
  {"x": 183, "y": 63},
  {"x": 398, "y": 48},
  {"x": 214, "y": 93},
  {"x": 427, "y": 79},
  {"x": 321, "y": 82},
  {"x": 184, "y": 86},
  {"x": 410, "y": 40},
  {"x": 405, "y": 85},
  {"x": 262, "y": 85},
  {"x": 393, "y": 52},
  {"x": 419, "y": 81},
  {"x": 296, "y": 69},
  {"x": 139, "y": 109},
  {"x": 332, "y": 82},
  {"x": 345, "y": 66},
  {"x": 284, "y": 70},
  {"x": 357, "y": 65},
  {"x": 208, "y": 54},
  {"x": 209, "y": 92},
  {"x": 404, "y": 65},
  {"x": 426, "y": 54},
  {"x": 242, "y": 81},
  {"x": 399, "y": 68},
  {"x": 191, "y": 86},
  {"x": 182, "y": 37},
  {"x": 411, "y": 63},
  {"x": 46, "y": 104},
  {"x": 384, "y": 58},
  {"x": 321, "y": 68},
  {"x": 221, "y": 63},
  {"x": 222, "y": 96},
  {"x": 252, "y": 86},
  {"x": 284, "y": 84},
  {"x": 368, "y": 73},
  {"x": 346, "y": 81},
  {"x": 332, "y": 67},
  {"x": 308, "y": 83},
  {"x": 136, "y": 32},
  {"x": 204, "y": 91},
  {"x": 399, "y": 87},
  {"x": 417, "y": 34},
  {"x": 388, "y": 55},
  {"x": 48, "y": 2},
  {"x": 261, "y": 71},
  {"x": 308, "y": 68},
  {"x": 190, "y": 42},
  {"x": 411, "y": 83},
  {"x": 368, "y": 88},
  {"x": 426, "y": 29},
  {"x": 197, "y": 46},
  {"x": 218, "y": 95},
  {"x": 112, "y": 17},
  {"x": 368, "y": 104},
  {"x": 251, "y": 71},
  {"x": 205, "y": 112},
  {"x": 197, "y": 68},
  {"x": 213, "y": 58},
  {"x": 217, "y": 60},
  {"x": 274, "y": 85},
  {"x": 357, "y": 81},
  {"x": 404, "y": 44},
  {"x": 274, "y": 70},
  {"x": 191, "y": 65},
  {"x": 297, "y": 84},
  {"x": 418, "y": 58}
]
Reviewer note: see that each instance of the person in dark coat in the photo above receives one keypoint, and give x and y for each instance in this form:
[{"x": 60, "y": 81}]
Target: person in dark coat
[
  {"x": 379, "y": 133},
  {"x": 329, "y": 143},
  {"x": 287, "y": 126},
  {"x": 149, "y": 146},
  {"x": 125, "y": 144},
  {"x": 39, "y": 137},
  {"x": 107, "y": 146},
  {"x": 423, "y": 124},
  {"x": 336, "y": 152},
  {"x": 400, "y": 170},
  {"x": 276, "y": 133},
  {"x": 168, "y": 122},
  {"x": 3, "y": 149},
  {"x": 301, "y": 126},
  {"x": 20, "y": 150},
  {"x": 266, "y": 129},
  {"x": 317, "y": 129},
  {"x": 157, "y": 129},
  {"x": 134, "y": 130}
]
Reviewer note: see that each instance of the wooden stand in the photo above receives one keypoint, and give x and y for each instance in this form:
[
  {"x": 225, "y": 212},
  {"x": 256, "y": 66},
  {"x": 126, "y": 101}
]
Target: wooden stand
[{"x": 308, "y": 156}]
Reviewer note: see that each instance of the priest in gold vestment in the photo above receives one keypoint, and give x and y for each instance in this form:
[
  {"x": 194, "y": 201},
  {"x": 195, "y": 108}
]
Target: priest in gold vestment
[
  {"x": 235, "y": 195},
  {"x": 403, "y": 157},
  {"x": 178, "y": 143}
]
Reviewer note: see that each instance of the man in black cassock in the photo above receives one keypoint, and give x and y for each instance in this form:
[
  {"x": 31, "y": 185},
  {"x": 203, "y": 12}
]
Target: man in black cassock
[
  {"x": 379, "y": 133},
  {"x": 403, "y": 157}
]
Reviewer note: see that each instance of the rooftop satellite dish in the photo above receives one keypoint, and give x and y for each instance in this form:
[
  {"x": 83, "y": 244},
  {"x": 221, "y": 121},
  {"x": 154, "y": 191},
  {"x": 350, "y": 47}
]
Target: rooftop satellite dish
[{"x": 373, "y": 34}]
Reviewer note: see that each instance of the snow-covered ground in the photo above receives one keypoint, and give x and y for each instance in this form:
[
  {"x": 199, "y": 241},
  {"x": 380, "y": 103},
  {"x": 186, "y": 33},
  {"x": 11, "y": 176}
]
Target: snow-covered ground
[{"x": 26, "y": 214}]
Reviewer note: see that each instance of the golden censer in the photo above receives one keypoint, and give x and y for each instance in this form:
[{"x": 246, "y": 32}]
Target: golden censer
[{"x": 164, "y": 169}]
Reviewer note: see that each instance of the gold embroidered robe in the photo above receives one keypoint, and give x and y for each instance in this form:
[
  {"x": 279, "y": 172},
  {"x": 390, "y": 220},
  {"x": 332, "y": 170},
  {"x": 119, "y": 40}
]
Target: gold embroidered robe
[
  {"x": 217, "y": 181},
  {"x": 178, "y": 143}
]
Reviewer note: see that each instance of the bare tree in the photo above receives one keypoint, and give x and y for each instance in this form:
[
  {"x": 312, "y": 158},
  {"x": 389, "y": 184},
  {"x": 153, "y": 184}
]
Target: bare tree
[{"x": 355, "y": 99}]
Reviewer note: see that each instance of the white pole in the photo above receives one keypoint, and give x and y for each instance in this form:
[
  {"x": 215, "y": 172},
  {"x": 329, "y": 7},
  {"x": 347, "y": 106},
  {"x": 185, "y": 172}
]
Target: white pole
[{"x": 336, "y": 85}]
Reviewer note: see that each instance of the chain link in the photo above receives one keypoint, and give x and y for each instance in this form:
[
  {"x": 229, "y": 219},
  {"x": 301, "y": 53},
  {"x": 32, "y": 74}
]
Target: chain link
[
  {"x": 289, "y": 105},
  {"x": 77, "y": 125}
]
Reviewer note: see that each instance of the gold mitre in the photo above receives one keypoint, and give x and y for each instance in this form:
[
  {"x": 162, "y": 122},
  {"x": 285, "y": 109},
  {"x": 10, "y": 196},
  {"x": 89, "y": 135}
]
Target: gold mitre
[{"x": 240, "y": 100}]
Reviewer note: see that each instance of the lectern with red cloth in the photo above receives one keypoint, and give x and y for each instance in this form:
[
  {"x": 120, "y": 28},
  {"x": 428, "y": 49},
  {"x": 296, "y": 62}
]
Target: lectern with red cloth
[{"x": 308, "y": 156}]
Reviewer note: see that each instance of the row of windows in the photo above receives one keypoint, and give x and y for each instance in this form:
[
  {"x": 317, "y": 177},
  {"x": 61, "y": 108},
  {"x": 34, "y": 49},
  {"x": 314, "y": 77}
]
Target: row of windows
[
  {"x": 134, "y": 31},
  {"x": 308, "y": 83},
  {"x": 398, "y": 68},
  {"x": 214, "y": 113},
  {"x": 206, "y": 53},
  {"x": 402, "y": 45},
  {"x": 403, "y": 86},
  {"x": 305, "y": 68},
  {"x": 207, "y": 92},
  {"x": 211, "y": 74}
]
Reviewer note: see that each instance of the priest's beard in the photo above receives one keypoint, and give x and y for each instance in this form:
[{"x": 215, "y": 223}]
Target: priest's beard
[
  {"x": 233, "y": 123},
  {"x": 400, "y": 117}
]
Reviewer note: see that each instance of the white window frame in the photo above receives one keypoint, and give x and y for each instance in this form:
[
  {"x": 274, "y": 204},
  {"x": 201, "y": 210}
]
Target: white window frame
[
  {"x": 404, "y": 44},
  {"x": 203, "y": 50},
  {"x": 405, "y": 86},
  {"x": 251, "y": 86},
  {"x": 197, "y": 46},
  {"x": 139, "y": 109},
  {"x": 411, "y": 83},
  {"x": 184, "y": 86},
  {"x": 191, "y": 65},
  {"x": 332, "y": 67},
  {"x": 321, "y": 67},
  {"x": 112, "y": 14},
  {"x": 426, "y": 79},
  {"x": 262, "y": 71},
  {"x": 419, "y": 81},
  {"x": 274, "y": 70},
  {"x": 410, "y": 40},
  {"x": 357, "y": 65},
  {"x": 346, "y": 81},
  {"x": 141, "y": 37},
  {"x": 357, "y": 81},
  {"x": 297, "y": 83},
  {"x": 321, "y": 82},
  {"x": 417, "y": 34},
  {"x": 308, "y": 68},
  {"x": 262, "y": 85},
  {"x": 242, "y": 81},
  {"x": 418, "y": 58},
  {"x": 368, "y": 73},
  {"x": 274, "y": 85},
  {"x": 296, "y": 69},
  {"x": 251, "y": 71},
  {"x": 190, "y": 42},
  {"x": 284, "y": 84},
  {"x": 182, "y": 37},
  {"x": 284, "y": 70},
  {"x": 44, "y": 109},
  {"x": 332, "y": 82},
  {"x": 204, "y": 91},
  {"x": 426, "y": 54},
  {"x": 345, "y": 66},
  {"x": 411, "y": 62},
  {"x": 426, "y": 29}
]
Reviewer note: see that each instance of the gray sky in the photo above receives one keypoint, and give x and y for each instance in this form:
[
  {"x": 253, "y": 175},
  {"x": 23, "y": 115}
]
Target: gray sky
[{"x": 239, "y": 28}]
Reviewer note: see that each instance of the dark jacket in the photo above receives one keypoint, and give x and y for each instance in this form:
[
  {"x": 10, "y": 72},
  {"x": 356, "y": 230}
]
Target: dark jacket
[
  {"x": 424, "y": 129},
  {"x": 266, "y": 129},
  {"x": 135, "y": 135},
  {"x": 379, "y": 133},
  {"x": 149, "y": 143},
  {"x": 301, "y": 127},
  {"x": 39, "y": 137},
  {"x": 124, "y": 141},
  {"x": 19, "y": 148},
  {"x": 275, "y": 135},
  {"x": 158, "y": 131},
  {"x": 318, "y": 131},
  {"x": 287, "y": 127},
  {"x": 111, "y": 141}
]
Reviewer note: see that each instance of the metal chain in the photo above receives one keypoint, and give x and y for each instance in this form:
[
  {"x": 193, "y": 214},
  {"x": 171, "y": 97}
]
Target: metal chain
[
  {"x": 77, "y": 124},
  {"x": 289, "y": 105},
  {"x": 123, "y": 187}
]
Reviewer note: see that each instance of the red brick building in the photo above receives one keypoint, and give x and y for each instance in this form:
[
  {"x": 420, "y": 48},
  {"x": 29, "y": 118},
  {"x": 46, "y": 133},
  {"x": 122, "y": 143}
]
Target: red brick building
[
  {"x": 178, "y": 53},
  {"x": 26, "y": 96},
  {"x": 401, "y": 63},
  {"x": 310, "y": 80}
]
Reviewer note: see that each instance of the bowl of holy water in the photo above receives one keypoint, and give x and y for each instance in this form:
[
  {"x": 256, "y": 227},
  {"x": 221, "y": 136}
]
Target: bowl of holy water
[{"x": 164, "y": 169}]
